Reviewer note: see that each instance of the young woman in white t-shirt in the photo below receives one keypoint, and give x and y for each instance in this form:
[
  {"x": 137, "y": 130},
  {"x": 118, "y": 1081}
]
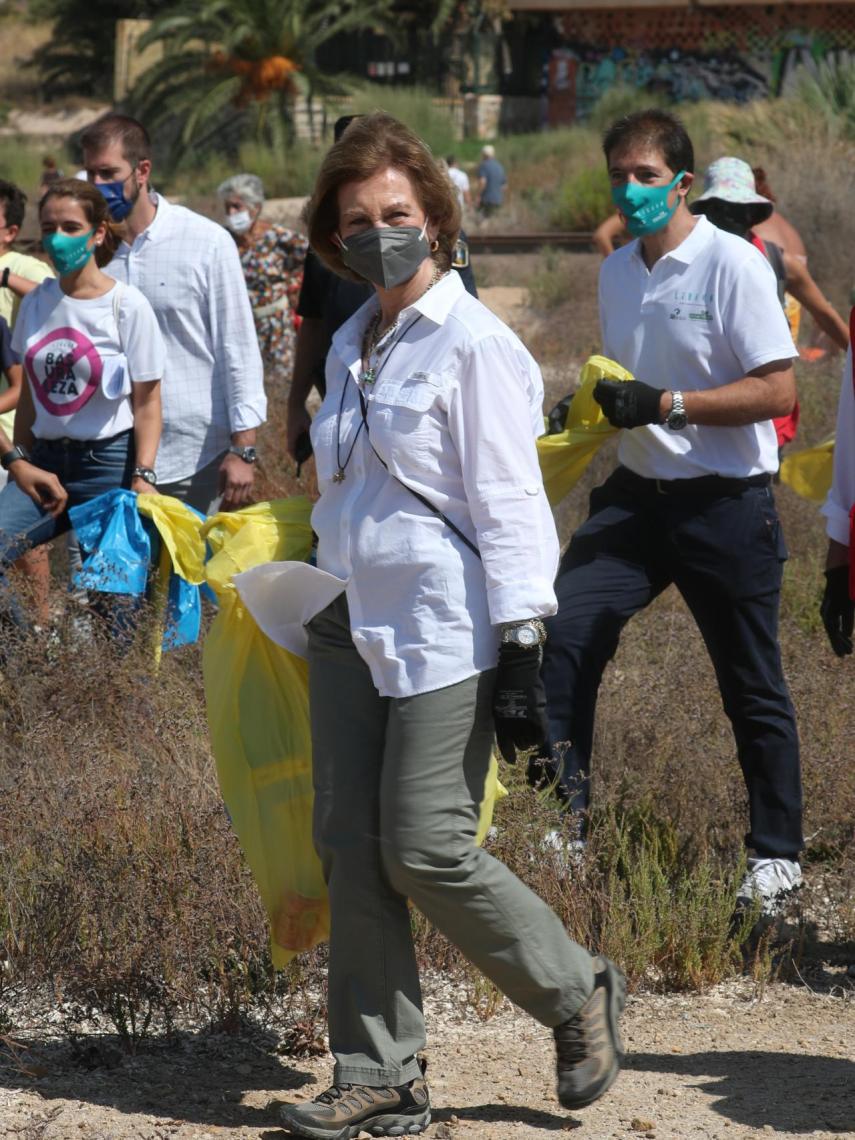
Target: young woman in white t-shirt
[{"x": 89, "y": 417}]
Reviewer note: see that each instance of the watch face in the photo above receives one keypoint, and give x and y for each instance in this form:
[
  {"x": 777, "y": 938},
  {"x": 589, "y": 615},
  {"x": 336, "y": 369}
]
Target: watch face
[
  {"x": 677, "y": 421},
  {"x": 526, "y": 635}
]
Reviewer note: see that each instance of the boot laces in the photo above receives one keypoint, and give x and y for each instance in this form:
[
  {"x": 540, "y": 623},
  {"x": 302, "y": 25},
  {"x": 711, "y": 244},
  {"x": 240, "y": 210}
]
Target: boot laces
[{"x": 570, "y": 1043}]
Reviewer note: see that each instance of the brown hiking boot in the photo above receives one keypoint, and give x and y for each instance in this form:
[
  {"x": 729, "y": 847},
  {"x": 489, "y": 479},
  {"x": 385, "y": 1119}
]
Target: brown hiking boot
[
  {"x": 588, "y": 1045},
  {"x": 343, "y": 1111}
]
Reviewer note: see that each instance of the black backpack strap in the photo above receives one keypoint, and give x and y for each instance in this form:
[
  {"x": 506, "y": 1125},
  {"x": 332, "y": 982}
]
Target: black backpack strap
[{"x": 417, "y": 494}]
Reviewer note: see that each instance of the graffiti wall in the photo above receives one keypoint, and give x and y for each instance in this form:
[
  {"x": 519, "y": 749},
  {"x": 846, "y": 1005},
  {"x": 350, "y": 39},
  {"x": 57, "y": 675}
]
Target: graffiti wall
[{"x": 733, "y": 54}]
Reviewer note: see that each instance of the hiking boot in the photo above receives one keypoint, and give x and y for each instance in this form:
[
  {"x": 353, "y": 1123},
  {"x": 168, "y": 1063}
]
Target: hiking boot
[
  {"x": 770, "y": 881},
  {"x": 588, "y": 1045},
  {"x": 343, "y": 1111}
]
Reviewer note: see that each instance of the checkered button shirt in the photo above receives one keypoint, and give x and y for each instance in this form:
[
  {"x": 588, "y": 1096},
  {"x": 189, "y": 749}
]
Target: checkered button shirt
[{"x": 213, "y": 384}]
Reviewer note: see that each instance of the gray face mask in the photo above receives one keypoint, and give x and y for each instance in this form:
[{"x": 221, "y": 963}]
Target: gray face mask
[{"x": 386, "y": 256}]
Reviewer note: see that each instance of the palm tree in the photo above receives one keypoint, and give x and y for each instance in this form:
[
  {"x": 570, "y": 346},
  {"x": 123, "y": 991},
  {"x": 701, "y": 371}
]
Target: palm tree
[{"x": 243, "y": 61}]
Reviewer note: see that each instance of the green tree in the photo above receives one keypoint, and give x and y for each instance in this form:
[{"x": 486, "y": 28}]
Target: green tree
[
  {"x": 243, "y": 62},
  {"x": 79, "y": 57}
]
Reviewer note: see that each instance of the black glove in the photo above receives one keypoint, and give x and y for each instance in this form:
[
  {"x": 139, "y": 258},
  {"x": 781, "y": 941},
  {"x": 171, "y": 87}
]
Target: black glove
[
  {"x": 628, "y": 403},
  {"x": 519, "y": 701},
  {"x": 838, "y": 610}
]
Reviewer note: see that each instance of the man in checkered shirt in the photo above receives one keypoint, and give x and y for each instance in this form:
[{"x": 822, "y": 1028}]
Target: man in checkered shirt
[{"x": 188, "y": 268}]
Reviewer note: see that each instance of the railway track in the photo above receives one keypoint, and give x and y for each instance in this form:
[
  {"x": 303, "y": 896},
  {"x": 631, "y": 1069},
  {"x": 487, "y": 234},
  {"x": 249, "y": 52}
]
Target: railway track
[{"x": 576, "y": 242}]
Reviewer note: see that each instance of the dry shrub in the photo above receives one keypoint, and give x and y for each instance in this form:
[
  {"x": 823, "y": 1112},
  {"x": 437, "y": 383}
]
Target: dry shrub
[{"x": 122, "y": 885}]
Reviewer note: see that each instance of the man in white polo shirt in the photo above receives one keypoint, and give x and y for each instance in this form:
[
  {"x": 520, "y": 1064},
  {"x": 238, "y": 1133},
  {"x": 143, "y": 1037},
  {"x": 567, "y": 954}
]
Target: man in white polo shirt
[
  {"x": 188, "y": 268},
  {"x": 693, "y": 313}
]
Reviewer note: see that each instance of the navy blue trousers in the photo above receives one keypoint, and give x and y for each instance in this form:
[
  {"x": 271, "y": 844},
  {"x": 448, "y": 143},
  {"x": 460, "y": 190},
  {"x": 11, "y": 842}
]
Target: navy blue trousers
[{"x": 724, "y": 552}]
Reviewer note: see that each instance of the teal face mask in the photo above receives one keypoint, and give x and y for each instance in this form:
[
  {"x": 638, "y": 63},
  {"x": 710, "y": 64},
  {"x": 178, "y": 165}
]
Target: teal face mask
[
  {"x": 645, "y": 208},
  {"x": 68, "y": 252}
]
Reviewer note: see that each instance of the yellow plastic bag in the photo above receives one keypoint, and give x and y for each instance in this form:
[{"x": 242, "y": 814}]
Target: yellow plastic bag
[
  {"x": 809, "y": 472},
  {"x": 564, "y": 456},
  {"x": 258, "y": 716}
]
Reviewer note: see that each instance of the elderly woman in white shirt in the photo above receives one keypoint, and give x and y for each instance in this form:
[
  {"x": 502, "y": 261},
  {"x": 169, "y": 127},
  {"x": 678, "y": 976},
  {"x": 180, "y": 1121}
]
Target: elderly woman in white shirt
[{"x": 433, "y": 517}]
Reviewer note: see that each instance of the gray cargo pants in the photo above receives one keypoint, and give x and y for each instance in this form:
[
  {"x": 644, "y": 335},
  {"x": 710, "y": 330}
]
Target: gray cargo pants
[{"x": 398, "y": 788}]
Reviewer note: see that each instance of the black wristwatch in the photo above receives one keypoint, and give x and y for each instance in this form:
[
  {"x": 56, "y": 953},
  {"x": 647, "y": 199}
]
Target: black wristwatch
[
  {"x": 148, "y": 474},
  {"x": 9, "y": 457},
  {"x": 247, "y": 454},
  {"x": 4, "y": 278}
]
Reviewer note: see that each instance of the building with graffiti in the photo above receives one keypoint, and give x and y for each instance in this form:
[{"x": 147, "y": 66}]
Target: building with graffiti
[{"x": 684, "y": 50}]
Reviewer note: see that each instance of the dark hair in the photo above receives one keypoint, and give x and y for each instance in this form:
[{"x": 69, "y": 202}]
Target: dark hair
[
  {"x": 450, "y": 160},
  {"x": 94, "y": 206},
  {"x": 341, "y": 124},
  {"x": 657, "y": 129},
  {"x": 374, "y": 143},
  {"x": 761, "y": 183},
  {"x": 115, "y": 128},
  {"x": 15, "y": 201}
]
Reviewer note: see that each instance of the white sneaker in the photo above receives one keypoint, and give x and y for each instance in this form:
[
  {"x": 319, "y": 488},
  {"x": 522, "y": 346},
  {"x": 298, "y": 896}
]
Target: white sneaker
[
  {"x": 770, "y": 881},
  {"x": 569, "y": 854}
]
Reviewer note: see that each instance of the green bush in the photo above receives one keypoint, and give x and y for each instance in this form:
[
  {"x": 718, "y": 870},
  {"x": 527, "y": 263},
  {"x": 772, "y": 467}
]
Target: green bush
[
  {"x": 583, "y": 201},
  {"x": 415, "y": 106}
]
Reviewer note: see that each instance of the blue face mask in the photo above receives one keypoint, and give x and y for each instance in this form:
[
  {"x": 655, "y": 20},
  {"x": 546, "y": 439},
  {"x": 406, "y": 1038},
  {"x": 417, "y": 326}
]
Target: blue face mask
[
  {"x": 645, "y": 208},
  {"x": 118, "y": 205},
  {"x": 68, "y": 252}
]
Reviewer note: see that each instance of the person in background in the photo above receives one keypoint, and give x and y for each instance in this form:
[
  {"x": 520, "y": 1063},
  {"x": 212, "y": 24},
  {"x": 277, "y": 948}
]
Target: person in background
[
  {"x": 731, "y": 202},
  {"x": 693, "y": 313},
  {"x": 838, "y": 603},
  {"x": 189, "y": 269},
  {"x": 272, "y": 257},
  {"x": 776, "y": 228},
  {"x": 326, "y": 301},
  {"x": 50, "y": 174},
  {"x": 433, "y": 517},
  {"x": 89, "y": 417},
  {"x": 492, "y": 182},
  {"x": 20, "y": 274},
  {"x": 610, "y": 235},
  {"x": 460, "y": 179}
]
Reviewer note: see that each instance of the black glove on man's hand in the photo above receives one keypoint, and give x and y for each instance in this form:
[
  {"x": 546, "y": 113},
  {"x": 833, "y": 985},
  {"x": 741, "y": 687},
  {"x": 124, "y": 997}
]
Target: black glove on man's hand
[
  {"x": 838, "y": 610},
  {"x": 628, "y": 403},
  {"x": 519, "y": 701}
]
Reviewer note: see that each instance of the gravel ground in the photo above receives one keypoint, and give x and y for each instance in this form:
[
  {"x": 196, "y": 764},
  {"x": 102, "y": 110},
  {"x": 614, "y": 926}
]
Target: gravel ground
[{"x": 730, "y": 1064}]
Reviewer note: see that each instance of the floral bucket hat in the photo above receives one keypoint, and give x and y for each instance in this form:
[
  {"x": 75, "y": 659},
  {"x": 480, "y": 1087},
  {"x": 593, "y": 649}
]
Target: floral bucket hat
[{"x": 732, "y": 180}]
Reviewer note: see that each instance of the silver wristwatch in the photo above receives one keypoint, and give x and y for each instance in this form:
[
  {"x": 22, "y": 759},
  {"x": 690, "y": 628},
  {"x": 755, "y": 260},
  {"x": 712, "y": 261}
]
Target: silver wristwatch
[
  {"x": 530, "y": 634},
  {"x": 677, "y": 418}
]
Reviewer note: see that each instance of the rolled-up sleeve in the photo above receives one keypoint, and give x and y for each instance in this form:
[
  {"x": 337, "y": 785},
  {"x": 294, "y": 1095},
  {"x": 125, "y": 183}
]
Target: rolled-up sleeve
[
  {"x": 841, "y": 497},
  {"x": 492, "y": 416},
  {"x": 233, "y": 338}
]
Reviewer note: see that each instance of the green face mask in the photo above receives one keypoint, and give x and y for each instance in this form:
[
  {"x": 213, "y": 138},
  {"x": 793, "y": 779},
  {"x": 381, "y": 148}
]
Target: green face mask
[{"x": 68, "y": 252}]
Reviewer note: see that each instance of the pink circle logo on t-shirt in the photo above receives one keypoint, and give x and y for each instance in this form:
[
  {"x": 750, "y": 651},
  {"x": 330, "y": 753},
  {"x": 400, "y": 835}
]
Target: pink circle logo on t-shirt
[{"x": 64, "y": 369}]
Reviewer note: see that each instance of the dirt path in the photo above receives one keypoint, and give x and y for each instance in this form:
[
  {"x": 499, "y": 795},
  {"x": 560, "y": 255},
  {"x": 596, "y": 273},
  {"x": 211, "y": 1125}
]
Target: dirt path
[{"x": 725, "y": 1065}]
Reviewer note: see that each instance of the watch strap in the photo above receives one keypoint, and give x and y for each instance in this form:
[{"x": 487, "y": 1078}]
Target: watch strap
[{"x": 9, "y": 457}]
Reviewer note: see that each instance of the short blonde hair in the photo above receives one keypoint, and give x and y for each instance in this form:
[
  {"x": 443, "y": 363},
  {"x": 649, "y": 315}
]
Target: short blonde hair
[{"x": 371, "y": 144}]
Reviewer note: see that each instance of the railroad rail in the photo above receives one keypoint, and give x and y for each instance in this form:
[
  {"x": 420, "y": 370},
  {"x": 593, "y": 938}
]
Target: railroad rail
[{"x": 576, "y": 241}]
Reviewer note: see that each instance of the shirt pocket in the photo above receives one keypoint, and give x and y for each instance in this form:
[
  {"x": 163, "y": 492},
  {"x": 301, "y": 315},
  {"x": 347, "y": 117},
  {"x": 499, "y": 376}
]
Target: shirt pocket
[
  {"x": 115, "y": 378},
  {"x": 408, "y": 420}
]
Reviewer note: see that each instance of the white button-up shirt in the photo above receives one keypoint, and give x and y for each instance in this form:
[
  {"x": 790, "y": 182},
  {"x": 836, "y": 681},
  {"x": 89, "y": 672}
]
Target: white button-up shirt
[
  {"x": 189, "y": 270},
  {"x": 454, "y": 413},
  {"x": 841, "y": 497},
  {"x": 706, "y": 314}
]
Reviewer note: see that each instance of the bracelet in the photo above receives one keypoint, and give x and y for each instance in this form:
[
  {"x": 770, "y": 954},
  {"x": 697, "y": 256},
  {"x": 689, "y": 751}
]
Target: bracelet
[{"x": 4, "y": 279}]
